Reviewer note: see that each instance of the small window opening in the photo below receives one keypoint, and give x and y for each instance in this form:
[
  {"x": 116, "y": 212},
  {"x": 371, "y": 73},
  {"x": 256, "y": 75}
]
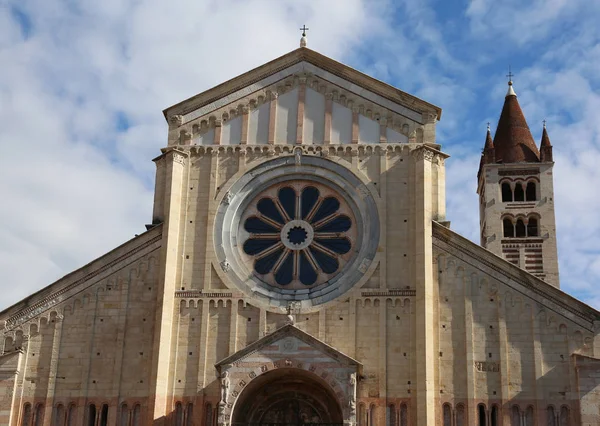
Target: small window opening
[
  {"x": 447, "y": 413},
  {"x": 520, "y": 229},
  {"x": 26, "y": 415},
  {"x": 509, "y": 228},
  {"x": 494, "y": 416},
  {"x": 104, "y": 416},
  {"x": 390, "y": 418},
  {"x": 460, "y": 415},
  {"x": 532, "y": 227},
  {"x": 124, "y": 415},
  {"x": 519, "y": 193},
  {"x": 178, "y": 414},
  {"x": 529, "y": 416},
  {"x": 565, "y": 417},
  {"x": 515, "y": 416},
  {"x": 189, "y": 415},
  {"x": 530, "y": 193},
  {"x": 91, "y": 421},
  {"x": 136, "y": 415},
  {"x": 550, "y": 415},
  {"x": 507, "y": 194},
  {"x": 481, "y": 414}
]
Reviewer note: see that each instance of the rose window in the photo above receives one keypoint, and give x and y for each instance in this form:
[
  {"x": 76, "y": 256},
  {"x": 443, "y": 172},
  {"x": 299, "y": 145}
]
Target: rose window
[{"x": 298, "y": 234}]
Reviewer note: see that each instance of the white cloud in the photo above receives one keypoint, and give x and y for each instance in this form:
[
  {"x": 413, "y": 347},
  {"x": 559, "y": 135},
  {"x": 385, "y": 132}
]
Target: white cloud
[{"x": 74, "y": 185}]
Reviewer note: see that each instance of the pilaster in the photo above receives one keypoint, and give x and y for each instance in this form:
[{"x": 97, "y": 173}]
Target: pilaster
[
  {"x": 425, "y": 294},
  {"x": 56, "y": 345},
  {"x": 272, "y": 117},
  {"x": 300, "y": 116},
  {"x": 170, "y": 258}
]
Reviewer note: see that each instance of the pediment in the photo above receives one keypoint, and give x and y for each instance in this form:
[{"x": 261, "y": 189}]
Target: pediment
[
  {"x": 289, "y": 342},
  {"x": 304, "y": 83}
]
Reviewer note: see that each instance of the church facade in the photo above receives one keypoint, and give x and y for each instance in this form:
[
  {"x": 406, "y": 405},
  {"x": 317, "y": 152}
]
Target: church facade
[{"x": 300, "y": 270}]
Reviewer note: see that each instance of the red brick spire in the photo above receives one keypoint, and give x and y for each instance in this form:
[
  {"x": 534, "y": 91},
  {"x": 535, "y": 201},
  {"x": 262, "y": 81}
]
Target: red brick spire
[
  {"x": 513, "y": 142},
  {"x": 545, "y": 146},
  {"x": 488, "y": 154}
]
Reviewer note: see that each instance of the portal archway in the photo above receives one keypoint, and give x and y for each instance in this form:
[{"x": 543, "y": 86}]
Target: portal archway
[{"x": 287, "y": 397}]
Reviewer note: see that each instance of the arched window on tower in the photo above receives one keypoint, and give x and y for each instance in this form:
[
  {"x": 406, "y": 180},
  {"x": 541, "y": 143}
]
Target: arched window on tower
[
  {"x": 447, "y": 415},
  {"x": 481, "y": 415},
  {"x": 519, "y": 193},
  {"x": 494, "y": 416},
  {"x": 507, "y": 194},
  {"x": 532, "y": 227},
  {"x": 530, "y": 193},
  {"x": 509, "y": 228},
  {"x": 520, "y": 229},
  {"x": 550, "y": 416}
]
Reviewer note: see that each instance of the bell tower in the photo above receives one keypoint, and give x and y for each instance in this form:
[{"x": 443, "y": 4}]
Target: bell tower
[{"x": 516, "y": 194}]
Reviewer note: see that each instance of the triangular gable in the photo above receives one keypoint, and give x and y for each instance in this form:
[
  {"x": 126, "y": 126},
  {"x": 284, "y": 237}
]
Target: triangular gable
[
  {"x": 283, "y": 333},
  {"x": 246, "y": 80},
  {"x": 302, "y": 97},
  {"x": 520, "y": 280}
]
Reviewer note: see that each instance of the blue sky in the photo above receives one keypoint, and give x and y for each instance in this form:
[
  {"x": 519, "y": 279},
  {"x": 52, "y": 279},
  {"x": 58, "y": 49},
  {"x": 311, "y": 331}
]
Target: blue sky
[{"x": 83, "y": 85}]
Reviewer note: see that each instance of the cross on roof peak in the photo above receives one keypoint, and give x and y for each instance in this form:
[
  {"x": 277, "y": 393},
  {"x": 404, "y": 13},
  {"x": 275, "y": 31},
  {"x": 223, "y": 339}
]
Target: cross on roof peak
[
  {"x": 304, "y": 30},
  {"x": 510, "y": 75}
]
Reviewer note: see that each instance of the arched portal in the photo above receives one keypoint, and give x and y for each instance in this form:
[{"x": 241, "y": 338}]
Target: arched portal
[{"x": 287, "y": 397}]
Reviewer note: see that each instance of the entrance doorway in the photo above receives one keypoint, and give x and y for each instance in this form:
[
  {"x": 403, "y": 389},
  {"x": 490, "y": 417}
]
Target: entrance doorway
[{"x": 287, "y": 397}]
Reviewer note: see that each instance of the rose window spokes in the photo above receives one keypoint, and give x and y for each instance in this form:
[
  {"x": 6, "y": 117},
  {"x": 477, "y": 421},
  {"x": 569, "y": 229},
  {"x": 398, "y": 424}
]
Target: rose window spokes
[{"x": 299, "y": 235}]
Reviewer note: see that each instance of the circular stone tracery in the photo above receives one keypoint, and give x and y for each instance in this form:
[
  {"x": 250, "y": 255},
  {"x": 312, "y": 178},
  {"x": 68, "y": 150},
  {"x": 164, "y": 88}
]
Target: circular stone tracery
[{"x": 299, "y": 234}]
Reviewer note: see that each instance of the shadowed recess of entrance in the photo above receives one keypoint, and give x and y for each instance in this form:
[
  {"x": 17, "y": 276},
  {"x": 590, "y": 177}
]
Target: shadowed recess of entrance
[{"x": 287, "y": 397}]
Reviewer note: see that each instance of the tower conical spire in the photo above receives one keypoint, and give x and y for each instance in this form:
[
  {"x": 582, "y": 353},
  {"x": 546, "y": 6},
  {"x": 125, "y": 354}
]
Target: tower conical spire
[
  {"x": 489, "y": 143},
  {"x": 513, "y": 141},
  {"x": 545, "y": 146}
]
